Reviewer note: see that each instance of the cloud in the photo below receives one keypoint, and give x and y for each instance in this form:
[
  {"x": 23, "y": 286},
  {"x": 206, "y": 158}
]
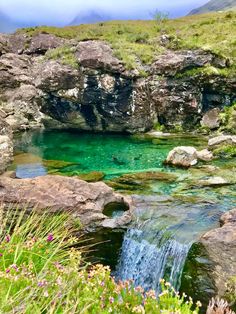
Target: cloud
[{"x": 63, "y": 11}]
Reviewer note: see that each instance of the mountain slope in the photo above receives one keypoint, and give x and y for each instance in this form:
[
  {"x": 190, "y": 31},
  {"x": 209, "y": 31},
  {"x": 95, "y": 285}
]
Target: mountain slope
[
  {"x": 215, "y": 5},
  {"x": 90, "y": 17},
  {"x": 6, "y": 25}
]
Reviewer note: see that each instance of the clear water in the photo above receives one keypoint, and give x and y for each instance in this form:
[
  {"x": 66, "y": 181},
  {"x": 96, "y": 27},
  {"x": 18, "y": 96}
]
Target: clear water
[
  {"x": 112, "y": 154},
  {"x": 170, "y": 216}
]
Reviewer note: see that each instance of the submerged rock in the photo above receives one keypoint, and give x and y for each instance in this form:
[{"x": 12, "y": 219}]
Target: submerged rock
[
  {"x": 183, "y": 156},
  {"x": 83, "y": 200}
]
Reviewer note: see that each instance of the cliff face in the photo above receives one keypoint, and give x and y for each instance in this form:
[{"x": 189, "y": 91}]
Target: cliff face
[{"x": 96, "y": 92}]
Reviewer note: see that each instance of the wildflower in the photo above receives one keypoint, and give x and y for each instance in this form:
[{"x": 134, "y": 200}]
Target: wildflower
[
  {"x": 199, "y": 304},
  {"x": 138, "y": 309},
  {"x": 14, "y": 266},
  {"x": 8, "y": 238},
  {"x": 163, "y": 293},
  {"x": 167, "y": 284},
  {"x": 162, "y": 280},
  {"x": 1, "y": 254},
  {"x": 111, "y": 300},
  {"x": 102, "y": 283},
  {"x": 46, "y": 294},
  {"x": 8, "y": 270},
  {"x": 50, "y": 237}
]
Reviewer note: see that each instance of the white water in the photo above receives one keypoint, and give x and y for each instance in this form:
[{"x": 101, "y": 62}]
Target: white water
[{"x": 146, "y": 260}]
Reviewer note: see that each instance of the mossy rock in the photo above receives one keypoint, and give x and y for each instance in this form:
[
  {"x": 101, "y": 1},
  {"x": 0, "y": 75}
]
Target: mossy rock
[
  {"x": 26, "y": 158},
  {"x": 228, "y": 119},
  {"x": 93, "y": 176},
  {"x": 227, "y": 151},
  {"x": 57, "y": 164}
]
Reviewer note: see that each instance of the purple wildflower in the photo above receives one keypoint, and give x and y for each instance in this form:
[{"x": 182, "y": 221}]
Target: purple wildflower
[
  {"x": 8, "y": 238},
  {"x": 50, "y": 237},
  {"x": 111, "y": 300},
  {"x": 7, "y": 270}
]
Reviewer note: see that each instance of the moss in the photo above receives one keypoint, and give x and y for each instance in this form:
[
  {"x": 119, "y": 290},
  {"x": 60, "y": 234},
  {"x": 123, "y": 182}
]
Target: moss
[
  {"x": 228, "y": 119},
  {"x": 228, "y": 151},
  {"x": 93, "y": 176}
]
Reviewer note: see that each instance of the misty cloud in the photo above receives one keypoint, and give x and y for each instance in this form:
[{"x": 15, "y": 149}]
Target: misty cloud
[{"x": 63, "y": 11}]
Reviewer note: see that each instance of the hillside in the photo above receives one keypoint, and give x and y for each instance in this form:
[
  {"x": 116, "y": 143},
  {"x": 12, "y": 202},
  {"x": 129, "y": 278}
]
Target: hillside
[
  {"x": 6, "y": 25},
  {"x": 139, "y": 42},
  {"x": 90, "y": 17},
  {"x": 215, "y": 5}
]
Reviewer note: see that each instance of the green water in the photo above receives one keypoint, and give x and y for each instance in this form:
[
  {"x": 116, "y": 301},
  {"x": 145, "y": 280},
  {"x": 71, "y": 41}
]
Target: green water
[
  {"x": 112, "y": 154},
  {"x": 170, "y": 200}
]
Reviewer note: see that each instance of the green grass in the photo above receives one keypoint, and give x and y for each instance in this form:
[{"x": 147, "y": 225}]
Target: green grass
[
  {"x": 138, "y": 41},
  {"x": 65, "y": 54},
  {"x": 42, "y": 272}
]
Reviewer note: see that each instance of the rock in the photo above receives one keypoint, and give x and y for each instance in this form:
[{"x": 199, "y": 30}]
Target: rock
[
  {"x": 100, "y": 94},
  {"x": 222, "y": 140},
  {"x": 98, "y": 55},
  {"x": 87, "y": 201},
  {"x": 211, "y": 119},
  {"x": 205, "y": 155},
  {"x": 40, "y": 43},
  {"x": 220, "y": 245},
  {"x": 213, "y": 181},
  {"x": 172, "y": 62},
  {"x": 6, "y": 145},
  {"x": 183, "y": 156}
]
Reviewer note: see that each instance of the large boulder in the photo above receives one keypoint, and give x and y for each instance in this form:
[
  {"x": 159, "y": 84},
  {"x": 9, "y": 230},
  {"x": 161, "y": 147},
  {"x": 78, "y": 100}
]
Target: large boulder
[
  {"x": 211, "y": 119},
  {"x": 220, "y": 246},
  {"x": 183, "y": 156},
  {"x": 86, "y": 201},
  {"x": 172, "y": 62},
  {"x": 98, "y": 55}
]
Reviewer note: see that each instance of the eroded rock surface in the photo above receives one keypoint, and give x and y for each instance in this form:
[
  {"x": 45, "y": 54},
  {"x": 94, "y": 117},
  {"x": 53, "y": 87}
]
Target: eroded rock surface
[
  {"x": 86, "y": 201},
  {"x": 94, "y": 90},
  {"x": 6, "y": 144}
]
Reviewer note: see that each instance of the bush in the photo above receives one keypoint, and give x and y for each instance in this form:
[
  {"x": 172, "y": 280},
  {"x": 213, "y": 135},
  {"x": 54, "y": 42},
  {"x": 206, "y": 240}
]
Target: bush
[{"x": 42, "y": 272}]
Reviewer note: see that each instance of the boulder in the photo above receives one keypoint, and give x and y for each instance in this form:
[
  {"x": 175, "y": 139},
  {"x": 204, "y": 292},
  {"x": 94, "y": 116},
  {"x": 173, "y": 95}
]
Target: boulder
[
  {"x": 40, "y": 43},
  {"x": 183, "y": 156},
  {"x": 220, "y": 245},
  {"x": 211, "y": 119},
  {"x": 86, "y": 201},
  {"x": 213, "y": 181},
  {"x": 98, "y": 55},
  {"x": 172, "y": 62},
  {"x": 221, "y": 141},
  {"x": 204, "y": 155}
]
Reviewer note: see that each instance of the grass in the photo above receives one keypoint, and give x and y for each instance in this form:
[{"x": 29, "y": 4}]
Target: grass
[
  {"x": 42, "y": 272},
  {"x": 138, "y": 41},
  {"x": 65, "y": 54},
  {"x": 228, "y": 119}
]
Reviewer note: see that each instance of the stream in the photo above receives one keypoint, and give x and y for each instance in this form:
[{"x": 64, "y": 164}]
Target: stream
[{"x": 172, "y": 210}]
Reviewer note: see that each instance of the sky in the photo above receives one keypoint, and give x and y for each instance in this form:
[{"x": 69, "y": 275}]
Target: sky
[{"x": 62, "y": 12}]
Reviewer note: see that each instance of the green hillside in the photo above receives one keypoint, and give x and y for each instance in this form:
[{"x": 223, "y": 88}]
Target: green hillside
[
  {"x": 140, "y": 40},
  {"x": 215, "y": 5}
]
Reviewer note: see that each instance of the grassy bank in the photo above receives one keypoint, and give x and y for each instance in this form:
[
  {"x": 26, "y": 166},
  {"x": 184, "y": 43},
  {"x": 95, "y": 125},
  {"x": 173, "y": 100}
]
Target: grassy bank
[
  {"x": 140, "y": 40},
  {"x": 41, "y": 272}
]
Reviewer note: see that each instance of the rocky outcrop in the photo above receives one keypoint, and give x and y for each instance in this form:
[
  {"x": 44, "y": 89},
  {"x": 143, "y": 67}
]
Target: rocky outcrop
[
  {"x": 187, "y": 156},
  {"x": 6, "y": 144},
  {"x": 220, "y": 245},
  {"x": 89, "y": 88},
  {"x": 86, "y": 201}
]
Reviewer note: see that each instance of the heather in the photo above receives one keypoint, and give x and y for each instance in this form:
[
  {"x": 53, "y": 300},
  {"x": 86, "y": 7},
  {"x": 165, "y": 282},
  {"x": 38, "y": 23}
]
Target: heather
[{"x": 41, "y": 271}]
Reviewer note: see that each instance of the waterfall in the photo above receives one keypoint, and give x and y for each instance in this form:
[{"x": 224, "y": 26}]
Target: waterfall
[{"x": 146, "y": 258}]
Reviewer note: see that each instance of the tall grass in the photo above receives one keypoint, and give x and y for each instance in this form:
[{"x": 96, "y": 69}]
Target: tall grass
[{"x": 42, "y": 272}]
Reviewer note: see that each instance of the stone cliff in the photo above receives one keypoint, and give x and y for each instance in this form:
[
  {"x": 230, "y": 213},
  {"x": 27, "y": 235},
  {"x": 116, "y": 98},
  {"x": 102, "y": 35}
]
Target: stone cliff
[{"x": 98, "y": 93}]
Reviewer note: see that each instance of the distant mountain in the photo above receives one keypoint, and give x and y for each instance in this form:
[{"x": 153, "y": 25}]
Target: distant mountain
[
  {"x": 6, "y": 24},
  {"x": 90, "y": 17},
  {"x": 215, "y": 5}
]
